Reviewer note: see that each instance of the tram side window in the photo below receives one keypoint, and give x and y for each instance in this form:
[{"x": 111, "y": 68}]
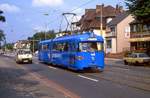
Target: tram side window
[
  {"x": 40, "y": 47},
  {"x": 61, "y": 47},
  {"x": 57, "y": 47},
  {"x": 65, "y": 47},
  {"x": 45, "y": 47}
]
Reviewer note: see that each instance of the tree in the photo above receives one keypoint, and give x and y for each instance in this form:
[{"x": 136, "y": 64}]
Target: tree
[
  {"x": 8, "y": 46},
  {"x": 2, "y": 18},
  {"x": 140, "y": 9},
  {"x": 40, "y": 36},
  {"x": 2, "y": 37}
]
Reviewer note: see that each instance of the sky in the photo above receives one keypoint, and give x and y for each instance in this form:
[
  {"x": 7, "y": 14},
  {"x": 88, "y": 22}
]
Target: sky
[{"x": 25, "y": 17}]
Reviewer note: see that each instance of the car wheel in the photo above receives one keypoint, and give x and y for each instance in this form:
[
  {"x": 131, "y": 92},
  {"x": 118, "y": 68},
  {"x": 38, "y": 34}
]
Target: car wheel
[
  {"x": 137, "y": 63},
  {"x": 30, "y": 62},
  {"x": 17, "y": 62},
  {"x": 125, "y": 62}
]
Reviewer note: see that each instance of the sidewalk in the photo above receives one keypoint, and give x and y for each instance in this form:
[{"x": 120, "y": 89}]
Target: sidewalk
[{"x": 113, "y": 59}]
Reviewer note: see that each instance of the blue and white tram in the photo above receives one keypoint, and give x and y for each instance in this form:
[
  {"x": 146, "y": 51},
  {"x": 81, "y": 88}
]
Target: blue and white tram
[{"x": 77, "y": 52}]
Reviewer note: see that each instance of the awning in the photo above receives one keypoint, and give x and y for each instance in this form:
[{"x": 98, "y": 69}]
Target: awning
[{"x": 139, "y": 39}]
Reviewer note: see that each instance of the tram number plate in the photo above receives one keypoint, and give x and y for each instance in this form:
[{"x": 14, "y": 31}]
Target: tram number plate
[{"x": 25, "y": 61}]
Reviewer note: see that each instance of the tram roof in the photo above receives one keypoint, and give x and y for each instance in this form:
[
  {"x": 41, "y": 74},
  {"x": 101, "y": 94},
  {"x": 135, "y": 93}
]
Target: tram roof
[
  {"x": 45, "y": 41},
  {"x": 80, "y": 37}
]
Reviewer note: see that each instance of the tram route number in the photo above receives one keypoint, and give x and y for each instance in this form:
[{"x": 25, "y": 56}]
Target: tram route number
[{"x": 92, "y": 39}]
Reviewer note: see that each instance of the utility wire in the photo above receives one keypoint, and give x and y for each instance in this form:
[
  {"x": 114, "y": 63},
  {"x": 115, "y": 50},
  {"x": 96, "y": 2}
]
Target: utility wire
[{"x": 80, "y": 6}]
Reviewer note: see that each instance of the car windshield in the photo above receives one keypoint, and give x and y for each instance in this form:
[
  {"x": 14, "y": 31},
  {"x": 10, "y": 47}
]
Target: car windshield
[
  {"x": 90, "y": 46},
  {"x": 24, "y": 52},
  {"x": 143, "y": 55}
]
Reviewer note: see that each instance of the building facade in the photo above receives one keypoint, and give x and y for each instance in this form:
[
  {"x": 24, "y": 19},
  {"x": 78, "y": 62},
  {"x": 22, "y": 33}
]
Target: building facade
[
  {"x": 118, "y": 33},
  {"x": 140, "y": 36},
  {"x": 96, "y": 19},
  {"x": 22, "y": 44}
]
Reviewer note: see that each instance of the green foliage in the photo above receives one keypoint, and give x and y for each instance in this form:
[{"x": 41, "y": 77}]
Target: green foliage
[
  {"x": 140, "y": 9},
  {"x": 2, "y": 36},
  {"x": 9, "y": 46},
  {"x": 2, "y": 18},
  {"x": 40, "y": 36}
]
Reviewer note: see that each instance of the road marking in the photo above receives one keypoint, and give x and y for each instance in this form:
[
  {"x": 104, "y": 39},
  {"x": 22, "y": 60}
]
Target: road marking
[
  {"x": 36, "y": 62},
  {"x": 48, "y": 66},
  {"x": 126, "y": 69},
  {"x": 52, "y": 67},
  {"x": 88, "y": 78}
]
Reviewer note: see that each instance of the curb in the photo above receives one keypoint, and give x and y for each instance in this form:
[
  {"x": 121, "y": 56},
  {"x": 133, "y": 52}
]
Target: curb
[{"x": 113, "y": 59}]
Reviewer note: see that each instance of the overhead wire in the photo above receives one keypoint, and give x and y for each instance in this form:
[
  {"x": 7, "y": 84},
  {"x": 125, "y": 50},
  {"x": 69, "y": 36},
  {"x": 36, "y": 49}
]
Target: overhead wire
[{"x": 72, "y": 10}]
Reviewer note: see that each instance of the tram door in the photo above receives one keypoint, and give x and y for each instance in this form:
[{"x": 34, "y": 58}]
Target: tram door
[
  {"x": 65, "y": 54},
  {"x": 45, "y": 52}
]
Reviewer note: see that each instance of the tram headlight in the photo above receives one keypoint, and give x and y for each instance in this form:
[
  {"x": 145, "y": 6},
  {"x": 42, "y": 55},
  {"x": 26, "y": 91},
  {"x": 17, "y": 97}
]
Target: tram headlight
[{"x": 79, "y": 57}]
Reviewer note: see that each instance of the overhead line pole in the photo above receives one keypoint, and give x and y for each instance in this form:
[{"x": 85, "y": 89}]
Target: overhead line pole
[{"x": 101, "y": 20}]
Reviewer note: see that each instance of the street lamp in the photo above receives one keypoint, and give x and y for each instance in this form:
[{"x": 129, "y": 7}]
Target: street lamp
[{"x": 46, "y": 25}]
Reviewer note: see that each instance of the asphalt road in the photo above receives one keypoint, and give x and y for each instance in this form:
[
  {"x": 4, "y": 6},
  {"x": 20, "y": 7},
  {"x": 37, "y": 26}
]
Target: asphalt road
[{"x": 116, "y": 81}]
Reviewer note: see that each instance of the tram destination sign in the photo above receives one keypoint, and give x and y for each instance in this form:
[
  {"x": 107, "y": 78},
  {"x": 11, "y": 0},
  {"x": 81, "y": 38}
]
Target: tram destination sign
[{"x": 92, "y": 39}]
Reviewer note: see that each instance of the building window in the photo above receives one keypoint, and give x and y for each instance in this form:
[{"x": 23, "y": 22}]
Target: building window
[
  {"x": 112, "y": 29},
  {"x": 134, "y": 28},
  {"x": 97, "y": 18},
  {"x": 146, "y": 27},
  {"x": 109, "y": 44}
]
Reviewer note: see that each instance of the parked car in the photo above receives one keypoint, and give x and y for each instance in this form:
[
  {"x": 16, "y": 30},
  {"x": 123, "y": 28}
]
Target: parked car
[
  {"x": 137, "y": 58},
  {"x": 1, "y": 52},
  {"x": 24, "y": 56}
]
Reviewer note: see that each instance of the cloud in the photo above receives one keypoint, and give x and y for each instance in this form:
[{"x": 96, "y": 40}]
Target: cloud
[
  {"x": 47, "y": 3},
  {"x": 9, "y": 8}
]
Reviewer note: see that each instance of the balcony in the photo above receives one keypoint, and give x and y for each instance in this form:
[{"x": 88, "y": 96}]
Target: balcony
[
  {"x": 110, "y": 34},
  {"x": 140, "y": 35}
]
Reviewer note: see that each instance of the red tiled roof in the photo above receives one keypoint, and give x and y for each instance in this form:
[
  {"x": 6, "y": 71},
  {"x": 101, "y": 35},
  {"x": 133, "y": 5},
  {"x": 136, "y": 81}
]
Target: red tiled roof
[{"x": 90, "y": 19}]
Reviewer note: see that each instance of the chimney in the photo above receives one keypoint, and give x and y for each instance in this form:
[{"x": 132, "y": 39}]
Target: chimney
[
  {"x": 119, "y": 8},
  {"x": 86, "y": 10},
  {"x": 98, "y": 8}
]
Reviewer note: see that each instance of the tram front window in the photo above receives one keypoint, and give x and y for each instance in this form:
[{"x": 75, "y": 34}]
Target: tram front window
[{"x": 90, "y": 46}]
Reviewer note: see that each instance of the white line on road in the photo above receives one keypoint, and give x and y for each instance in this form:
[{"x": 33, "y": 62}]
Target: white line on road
[
  {"x": 88, "y": 78},
  {"x": 52, "y": 67},
  {"x": 123, "y": 68},
  {"x": 37, "y": 63},
  {"x": 48, "y": 66}
]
